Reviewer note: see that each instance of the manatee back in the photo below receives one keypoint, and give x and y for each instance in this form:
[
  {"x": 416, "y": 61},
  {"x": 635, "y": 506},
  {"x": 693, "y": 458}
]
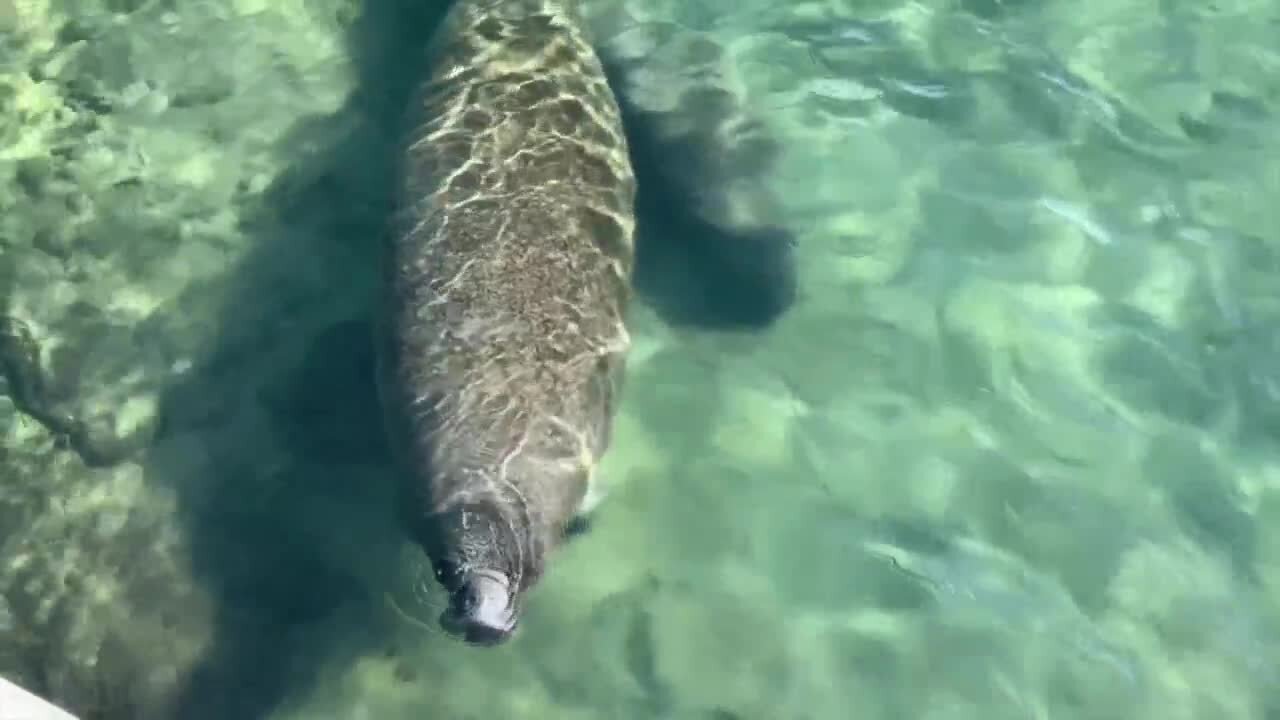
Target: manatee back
[{"x": 511, "y": 260}]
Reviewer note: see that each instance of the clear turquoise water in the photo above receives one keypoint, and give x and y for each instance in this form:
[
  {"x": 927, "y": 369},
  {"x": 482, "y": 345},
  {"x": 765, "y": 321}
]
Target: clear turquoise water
[{"x": 1012, "y": 455}]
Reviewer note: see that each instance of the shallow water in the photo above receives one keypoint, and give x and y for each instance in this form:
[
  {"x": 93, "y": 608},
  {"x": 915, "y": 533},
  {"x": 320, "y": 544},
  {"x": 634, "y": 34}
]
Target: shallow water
[{"x": 1013, "y": 453}]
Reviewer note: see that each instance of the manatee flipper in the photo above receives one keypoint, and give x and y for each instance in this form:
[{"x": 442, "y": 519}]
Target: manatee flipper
[
  {"x": 710, "y": 249},
  {"x": 581, "y": 522}
]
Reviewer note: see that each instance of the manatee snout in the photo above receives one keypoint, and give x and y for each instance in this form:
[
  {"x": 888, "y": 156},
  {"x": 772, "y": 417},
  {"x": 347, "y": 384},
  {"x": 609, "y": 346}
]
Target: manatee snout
[
  {"x": 484, "y": 564},
  {"x": 482, "y": 608}
]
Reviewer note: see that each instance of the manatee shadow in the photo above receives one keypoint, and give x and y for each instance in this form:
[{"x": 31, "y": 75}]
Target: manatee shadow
[
  {"x": 692, "y": 270},
  {"x": 273, "y": 441}
]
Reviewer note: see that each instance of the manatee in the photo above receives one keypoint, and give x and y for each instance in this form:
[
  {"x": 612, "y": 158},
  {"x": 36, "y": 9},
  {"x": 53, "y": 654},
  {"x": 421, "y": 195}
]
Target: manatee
[{"x": 503, "y": 338}]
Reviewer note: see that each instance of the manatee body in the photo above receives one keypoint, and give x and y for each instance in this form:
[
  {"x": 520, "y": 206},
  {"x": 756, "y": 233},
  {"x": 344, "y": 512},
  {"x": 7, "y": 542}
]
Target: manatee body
[{"x": 504, "y": 341}]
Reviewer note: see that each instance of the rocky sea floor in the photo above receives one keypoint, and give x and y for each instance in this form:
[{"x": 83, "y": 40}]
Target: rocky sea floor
[{"x": 1013, "y": 453}]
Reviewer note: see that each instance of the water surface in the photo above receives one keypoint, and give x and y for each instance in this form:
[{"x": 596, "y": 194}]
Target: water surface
[{"x": 1013, "y": 454}]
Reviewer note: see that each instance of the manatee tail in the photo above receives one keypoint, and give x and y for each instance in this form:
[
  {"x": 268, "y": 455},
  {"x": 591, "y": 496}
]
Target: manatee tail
[{"x": 710, "y": 252}]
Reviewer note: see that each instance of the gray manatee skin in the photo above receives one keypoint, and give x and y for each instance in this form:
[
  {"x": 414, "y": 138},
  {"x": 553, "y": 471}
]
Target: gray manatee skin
[
  {"x": 503, "y": 347},
  {"x": 503, "y": 339}
]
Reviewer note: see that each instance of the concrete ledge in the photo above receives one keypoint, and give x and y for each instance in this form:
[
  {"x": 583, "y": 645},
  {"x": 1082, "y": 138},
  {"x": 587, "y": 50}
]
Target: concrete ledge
[{"x": 18, "y": 704}]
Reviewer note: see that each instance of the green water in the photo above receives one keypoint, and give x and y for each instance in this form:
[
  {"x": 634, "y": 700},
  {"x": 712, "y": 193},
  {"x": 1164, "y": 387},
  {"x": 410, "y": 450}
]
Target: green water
[{"x": 1012, "y": 454}]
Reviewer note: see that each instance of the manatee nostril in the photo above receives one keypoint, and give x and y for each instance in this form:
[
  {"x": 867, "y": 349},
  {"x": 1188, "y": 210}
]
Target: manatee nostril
[
  {"x": 469, "y": 599},
  {"x": 481, "y": 609}
]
